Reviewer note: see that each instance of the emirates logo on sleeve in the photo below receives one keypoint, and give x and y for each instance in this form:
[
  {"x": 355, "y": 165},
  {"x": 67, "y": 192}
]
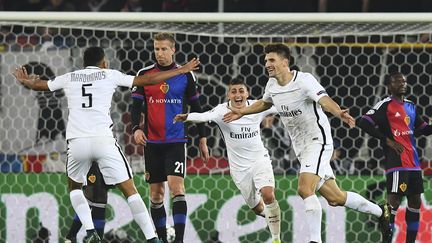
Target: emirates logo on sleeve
[{"x": 164, "y": 88}]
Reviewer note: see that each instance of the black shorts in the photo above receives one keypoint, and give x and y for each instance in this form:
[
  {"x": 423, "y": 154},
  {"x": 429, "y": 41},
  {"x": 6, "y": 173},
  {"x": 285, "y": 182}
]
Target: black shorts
[
  {"x": 405, "y": 182},
  {"x": 162, "y": 160}
]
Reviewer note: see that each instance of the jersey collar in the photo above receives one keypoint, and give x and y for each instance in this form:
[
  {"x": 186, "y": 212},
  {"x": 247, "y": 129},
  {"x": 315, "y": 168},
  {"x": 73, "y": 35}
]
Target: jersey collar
[{"x": 165, "y": 68}]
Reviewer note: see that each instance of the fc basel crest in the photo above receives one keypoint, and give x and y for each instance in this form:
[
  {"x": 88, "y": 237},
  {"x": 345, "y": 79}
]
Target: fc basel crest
[
  {"x": 92, "y": 178},
  {"x": 403, "y": 187},
  {"x": 164, "y": 88},
  {"x": 407, "y": 120}
]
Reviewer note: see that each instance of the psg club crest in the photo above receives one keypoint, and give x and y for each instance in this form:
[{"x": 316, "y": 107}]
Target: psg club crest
[
  {"x": 164, "y": 88},
  {"x": 92, "y": 178},
  {"x": 407, "y": 120}
]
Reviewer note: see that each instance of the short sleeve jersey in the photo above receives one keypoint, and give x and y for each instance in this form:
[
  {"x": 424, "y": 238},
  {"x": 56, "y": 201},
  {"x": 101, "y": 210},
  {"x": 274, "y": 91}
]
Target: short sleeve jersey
[
  {"x": 163, "y": 101},
  {"x": 242, "y": 137},
  {"x": 398, "y": 120},
  {"x": 298, "y": 107},
  {"x": 89, "y": 93}
]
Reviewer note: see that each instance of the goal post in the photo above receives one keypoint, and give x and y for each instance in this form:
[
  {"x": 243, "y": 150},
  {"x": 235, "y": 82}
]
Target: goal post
[{"x": 350, "y": 54}]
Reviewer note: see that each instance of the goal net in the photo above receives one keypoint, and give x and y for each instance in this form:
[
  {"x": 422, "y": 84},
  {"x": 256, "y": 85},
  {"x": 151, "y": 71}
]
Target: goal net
[{"x": 349, "y": 54}]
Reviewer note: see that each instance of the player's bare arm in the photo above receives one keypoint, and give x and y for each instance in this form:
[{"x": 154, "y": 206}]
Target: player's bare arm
[
  {"x": 204, "y": 152},
  {"x": 329, "y": 105},
  {"x": 256, "y": 107},
  {"x": 31, "y": 81},
  {"x": 155, "y": 78}
]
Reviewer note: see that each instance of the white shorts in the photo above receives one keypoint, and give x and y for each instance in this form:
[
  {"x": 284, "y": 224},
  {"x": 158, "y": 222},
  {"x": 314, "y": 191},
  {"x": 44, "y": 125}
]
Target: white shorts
[
  {"x": 105, "y": 151},
  {"x": 250, "y": 181},
  {"x": 315, "y": 158}
]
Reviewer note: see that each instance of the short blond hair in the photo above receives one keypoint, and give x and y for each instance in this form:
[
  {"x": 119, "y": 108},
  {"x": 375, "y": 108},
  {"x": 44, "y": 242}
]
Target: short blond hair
[{"x": 164, "y": 36}]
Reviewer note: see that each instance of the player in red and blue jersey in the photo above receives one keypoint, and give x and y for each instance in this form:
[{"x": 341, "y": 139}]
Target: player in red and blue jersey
[
  {"x": 165, "y": 141},
  {"x": 394, "y": 121}
]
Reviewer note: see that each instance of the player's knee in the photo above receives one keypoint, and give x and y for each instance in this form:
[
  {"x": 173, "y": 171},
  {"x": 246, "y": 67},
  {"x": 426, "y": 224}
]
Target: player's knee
[
  {"x": 156, "y": 196},
  {"x": 268, "y": 198},
  {"x": 305, "y": 191}
]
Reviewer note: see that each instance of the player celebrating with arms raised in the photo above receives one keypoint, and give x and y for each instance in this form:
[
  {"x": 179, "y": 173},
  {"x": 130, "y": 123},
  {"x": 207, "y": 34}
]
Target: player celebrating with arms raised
[
  {"x": 300, "y": 101},
  {"x": 89, "y": 93},
  {"x": 393, "y": 121},
  {"x": 249, "y": 162}
]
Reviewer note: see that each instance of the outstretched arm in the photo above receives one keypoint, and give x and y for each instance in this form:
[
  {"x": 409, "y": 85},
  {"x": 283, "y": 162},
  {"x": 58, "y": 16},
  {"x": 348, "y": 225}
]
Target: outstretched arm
[
  {"x": 329, "y": 105},
  {"x": 155, "y": 78},
  {"x": 256, "y": 107},
  {"x": 31, "y": 81}
]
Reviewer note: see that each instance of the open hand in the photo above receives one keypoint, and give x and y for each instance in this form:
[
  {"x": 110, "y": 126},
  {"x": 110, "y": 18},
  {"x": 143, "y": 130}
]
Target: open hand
[
  {"x": 233, "y": 115},
  {"x": 191, "y": 65},
  {"x": 140, "y": 138},
  {"x": 395, "y": 145},
  {"x": 347, "y": 118},
  {"x": 180, "y": 118}
]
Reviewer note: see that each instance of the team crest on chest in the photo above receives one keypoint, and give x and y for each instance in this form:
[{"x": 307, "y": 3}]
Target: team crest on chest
[
  {"x": 92, "y": 178},
  {"x": 164, "y": 88},
  {"x": 407, "y": 120},
  {"x": 403, "y": 187}
]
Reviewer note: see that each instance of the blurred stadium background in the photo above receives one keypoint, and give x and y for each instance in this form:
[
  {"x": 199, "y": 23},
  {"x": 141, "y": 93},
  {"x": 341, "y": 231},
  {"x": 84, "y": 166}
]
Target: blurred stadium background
[{"x": 349, "y": 53}]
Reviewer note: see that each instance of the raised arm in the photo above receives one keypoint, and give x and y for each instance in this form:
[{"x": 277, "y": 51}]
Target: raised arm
[
  {"x": 30, "y": 81},
  {"x": 256, "y": 107},
  {"x": 329, "y": 105},
  {"x": 155, "y": 78}
]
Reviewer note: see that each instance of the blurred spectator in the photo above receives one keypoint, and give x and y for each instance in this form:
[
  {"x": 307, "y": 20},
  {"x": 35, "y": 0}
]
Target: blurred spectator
[
  {"x": 133, "y": 6},
  {"x": 339, "y": 162},
  {"x": 174, "y": 5},
  {"x": 278, "y": 143},
  {"x": 341, "y": 6},
  {"x": 24, "y": 5},
  {"x": 398, "y": 6},
  {"x": 101, "y": 5},
  {"x": 289, "y": 6},
  {"x": 50, "y": 122},
  {"x": 59, "y": 5},
  {"x": 241, "y": 5}
]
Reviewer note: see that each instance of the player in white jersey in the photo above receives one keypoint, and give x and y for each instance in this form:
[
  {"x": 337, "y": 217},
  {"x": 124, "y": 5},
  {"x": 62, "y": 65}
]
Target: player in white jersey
[
  {"x": 300, "y": 101},
  {"x": 89, "y": 93},
  {"x": 249, "y": 161}
]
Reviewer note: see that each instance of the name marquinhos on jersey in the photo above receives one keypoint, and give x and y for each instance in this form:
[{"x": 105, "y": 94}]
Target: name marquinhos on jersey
[
  {"x": 82, "y": 77},
  {"x": 152, "y": 100}
]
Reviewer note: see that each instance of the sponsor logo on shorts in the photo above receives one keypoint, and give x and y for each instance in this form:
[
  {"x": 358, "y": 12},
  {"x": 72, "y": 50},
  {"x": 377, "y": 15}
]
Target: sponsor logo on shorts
[
  {"x": 92, "y": 178},
  {"x": 403, "y": 187},
  {"x": 308, "y": 165}
]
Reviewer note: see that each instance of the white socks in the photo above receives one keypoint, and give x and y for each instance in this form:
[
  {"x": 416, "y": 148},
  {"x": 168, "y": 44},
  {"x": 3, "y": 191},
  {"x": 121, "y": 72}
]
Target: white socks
[
  {"x": 141, "y": 215},
  {"x": 359, "y": 203},
  {"x": 313, "y": 217},
  {"x": 81, "y": 207},
  {"x": 273, "y": 219}
]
